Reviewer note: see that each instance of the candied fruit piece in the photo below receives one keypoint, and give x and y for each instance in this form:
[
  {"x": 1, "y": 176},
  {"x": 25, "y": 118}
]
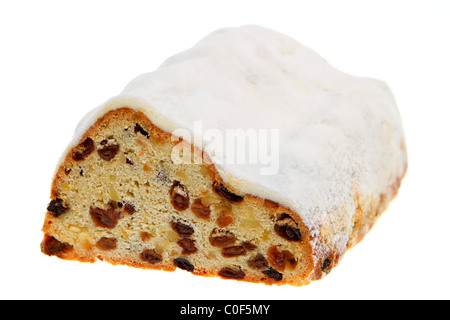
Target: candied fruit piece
[{"x": 225, "y": 219}]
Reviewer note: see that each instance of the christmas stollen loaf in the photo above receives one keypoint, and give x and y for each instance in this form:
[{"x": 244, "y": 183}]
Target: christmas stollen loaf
[{"x": 145, "y": 183}]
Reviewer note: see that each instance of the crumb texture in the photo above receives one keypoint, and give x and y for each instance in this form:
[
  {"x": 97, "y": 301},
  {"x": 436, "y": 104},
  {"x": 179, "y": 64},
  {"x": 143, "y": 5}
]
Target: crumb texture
[{"x": 119, "y": 197}]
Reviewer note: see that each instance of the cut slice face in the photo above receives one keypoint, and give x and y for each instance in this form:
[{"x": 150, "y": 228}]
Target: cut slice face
[{"x": 118, "y": 196}]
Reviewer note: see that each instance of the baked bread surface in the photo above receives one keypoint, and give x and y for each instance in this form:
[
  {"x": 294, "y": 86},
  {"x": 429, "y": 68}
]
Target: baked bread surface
[{"x": 119, "y": 196}]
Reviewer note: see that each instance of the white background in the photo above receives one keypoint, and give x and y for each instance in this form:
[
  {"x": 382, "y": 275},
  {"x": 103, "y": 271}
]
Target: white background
[{"x": 59, "y": 59}]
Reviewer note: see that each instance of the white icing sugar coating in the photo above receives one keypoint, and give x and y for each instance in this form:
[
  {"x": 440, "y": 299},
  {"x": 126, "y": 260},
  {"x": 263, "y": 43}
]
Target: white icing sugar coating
[{"x": 339, "y": 135}]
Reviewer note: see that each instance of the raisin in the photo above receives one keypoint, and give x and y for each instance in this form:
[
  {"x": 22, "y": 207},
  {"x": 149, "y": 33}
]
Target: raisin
[
  {"x": 107, "y": 243},
  {"x": 179, "y": 197},
  {"x": 182, "y": 228},
  {"x": 232, "y": 273},
  {"x": 288, "y": 232},
  {"x": 109, "y": 151},
  {"x": 224, "y": 240},
  {"x": 151, "y": 256},
  {"x": 273, "y": 274},
  {"x": 326, "y": 265},
  {"x": 184, "y": 264},
  {"x": 129, "y": 208},
  {"x": 291, "y": 261},
  {"x": 249, "y": 246},
  {"x": 83, "y": 149},
  {"x": 258, "y": 262},
  {"x": 200, "y": 210},
  {"x": 233, "y": 251},
  {"x": 188, "y": 245},
  {"x": 53, "y": 247},
  {"x": 276, "y": 258},
  {"x": 225, "y": 219},
  {"x": 105, "y": 218},
  {"x": 222, "y": 191},
  {"x": 56, "y": 207},
  {"x": 138, "y": 128},
  {"x": 286, "y": 228}
]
